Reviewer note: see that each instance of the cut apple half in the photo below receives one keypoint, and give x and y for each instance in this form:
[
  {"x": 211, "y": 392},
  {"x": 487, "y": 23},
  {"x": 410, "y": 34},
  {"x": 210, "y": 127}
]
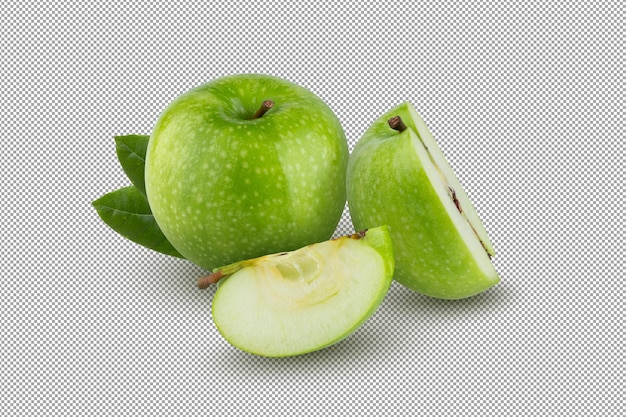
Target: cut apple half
[
  {"x": 398, "y": 175},
  {"x": 297, "y": 302}
]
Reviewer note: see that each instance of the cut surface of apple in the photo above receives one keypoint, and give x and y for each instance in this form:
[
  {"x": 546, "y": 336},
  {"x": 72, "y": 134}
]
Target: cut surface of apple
[
  {"x": 296, "y": 302},
  {"x": 397, "y": 175}
]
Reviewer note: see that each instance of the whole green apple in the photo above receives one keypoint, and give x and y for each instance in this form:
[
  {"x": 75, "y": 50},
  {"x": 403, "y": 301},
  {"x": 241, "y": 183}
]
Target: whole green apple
[
  {"x": 243, "y": 166},
  {"x": 398, "y": 176}
]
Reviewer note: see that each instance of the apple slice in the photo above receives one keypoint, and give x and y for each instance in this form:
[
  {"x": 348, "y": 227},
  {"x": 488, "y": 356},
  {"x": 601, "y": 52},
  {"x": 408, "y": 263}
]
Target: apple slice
[
  {"x": 296, "y": 302},
  {"x": 398, "y": 176}
]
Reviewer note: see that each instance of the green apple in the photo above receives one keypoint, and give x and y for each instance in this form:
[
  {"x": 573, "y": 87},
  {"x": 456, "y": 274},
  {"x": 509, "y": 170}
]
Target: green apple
[
  {"x": 296, "y": 302},
  {"x": 243, "y": 166},
  {"x": 398, "y": 176}
]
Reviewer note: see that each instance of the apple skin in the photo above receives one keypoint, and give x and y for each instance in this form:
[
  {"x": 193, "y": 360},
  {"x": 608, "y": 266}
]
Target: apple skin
[
  {"x": 224, "y": 186},
  {"x": 437, "y": 252}
]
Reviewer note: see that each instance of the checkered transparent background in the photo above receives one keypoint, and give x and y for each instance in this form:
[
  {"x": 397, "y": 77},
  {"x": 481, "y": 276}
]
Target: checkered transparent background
[{"x": 526, "y": 101}]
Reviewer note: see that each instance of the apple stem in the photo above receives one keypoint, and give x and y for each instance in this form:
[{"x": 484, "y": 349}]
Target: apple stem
[
  {"x": 358, "y": 235},
  {"x": 396, "y": 123},
  {"x": 207, "y": 280},
  {"x": 265, "y": 106}
]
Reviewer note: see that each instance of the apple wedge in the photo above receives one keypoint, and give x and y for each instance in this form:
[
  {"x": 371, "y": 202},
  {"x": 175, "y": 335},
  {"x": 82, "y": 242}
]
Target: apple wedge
[
  {"x": 398, "y": 176},
  {"x": 296, "y": 302}
]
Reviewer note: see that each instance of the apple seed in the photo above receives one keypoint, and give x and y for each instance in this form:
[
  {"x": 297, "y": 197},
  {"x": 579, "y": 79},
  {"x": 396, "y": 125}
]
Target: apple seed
[{"x": 457, "y": 203}]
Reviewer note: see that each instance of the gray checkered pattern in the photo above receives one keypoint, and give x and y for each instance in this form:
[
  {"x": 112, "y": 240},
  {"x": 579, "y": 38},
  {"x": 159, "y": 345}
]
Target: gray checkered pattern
[{"x": 527, "y": 102}]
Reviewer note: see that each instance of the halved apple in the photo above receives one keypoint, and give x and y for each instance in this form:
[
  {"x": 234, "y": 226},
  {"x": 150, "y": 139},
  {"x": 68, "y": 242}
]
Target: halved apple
[
  {"x": 398, "y": 176},
  {"x": 296, "y": 302}
]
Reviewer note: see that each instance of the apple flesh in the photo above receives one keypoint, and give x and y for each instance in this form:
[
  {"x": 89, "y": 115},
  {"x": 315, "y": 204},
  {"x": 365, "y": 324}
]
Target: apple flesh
[
  {"x": 243, "y": 166},
  {"x": 296, "y": 302},
  {"x": 398, "y": 176}
]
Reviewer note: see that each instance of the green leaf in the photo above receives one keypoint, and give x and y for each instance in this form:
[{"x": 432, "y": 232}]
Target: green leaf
[
  {"x": 127, "y": 212},
  {"x": 131, "y": 152}
]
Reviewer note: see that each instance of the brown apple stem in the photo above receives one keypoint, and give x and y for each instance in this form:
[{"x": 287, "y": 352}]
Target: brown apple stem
[
  {"x": 265, "y": 106},
  {"x": 396, "y": 123},
  {"x": 359, "y": 235},
  {"x": 205, "y": 281}
]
